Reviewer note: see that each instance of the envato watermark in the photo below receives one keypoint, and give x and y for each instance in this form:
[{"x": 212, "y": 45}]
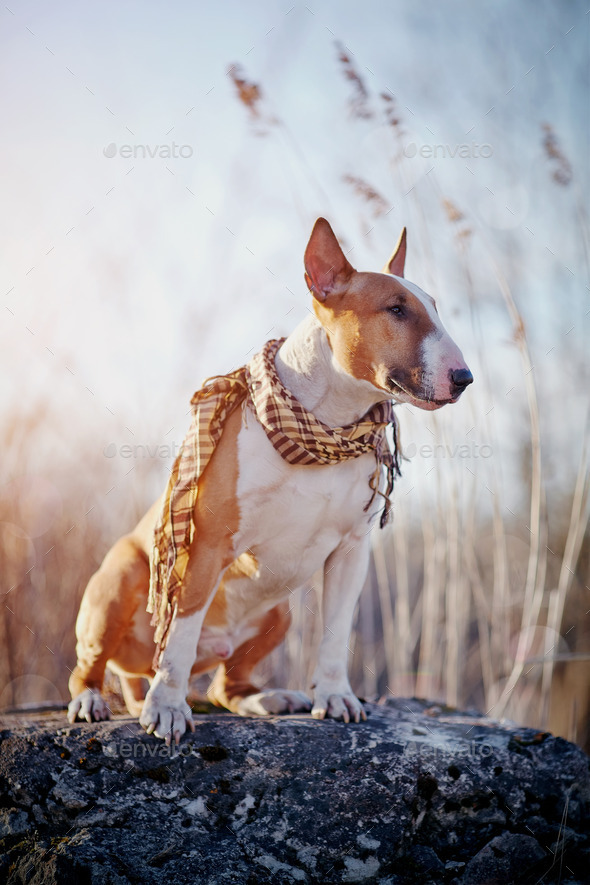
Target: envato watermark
[
  {"x": 140, "y": 750},
  {"x": 465, "y": 450},
  {"x": 472, "y": 750},
  {"x": 465, "y": 151},
  {"x": 148, "y": 151},
  {"x": 170, "y": 450}
]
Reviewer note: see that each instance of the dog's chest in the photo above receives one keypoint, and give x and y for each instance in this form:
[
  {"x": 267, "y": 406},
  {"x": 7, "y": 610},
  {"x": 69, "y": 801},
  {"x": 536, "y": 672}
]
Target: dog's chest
[{"x": 293, "y": 516}]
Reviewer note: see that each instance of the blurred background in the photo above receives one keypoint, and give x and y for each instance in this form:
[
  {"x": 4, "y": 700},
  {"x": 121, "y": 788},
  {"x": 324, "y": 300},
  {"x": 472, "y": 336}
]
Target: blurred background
[{"x": 162, "y": 166}]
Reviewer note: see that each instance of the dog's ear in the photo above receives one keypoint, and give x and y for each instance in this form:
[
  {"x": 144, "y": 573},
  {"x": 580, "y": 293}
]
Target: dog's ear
[
  {"x": 397, "y": 262},
  {"x": 327, "y": 269}
]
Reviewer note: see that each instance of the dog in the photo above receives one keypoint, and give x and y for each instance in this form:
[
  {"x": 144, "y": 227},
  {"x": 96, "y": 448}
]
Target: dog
[{"x": 263, "y": 525}]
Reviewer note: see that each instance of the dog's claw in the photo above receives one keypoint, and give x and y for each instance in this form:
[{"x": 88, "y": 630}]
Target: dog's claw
[
  {"x": 88, "y": 705},
  {"x": 343, "y": 705},
  {"x": 356, "y": 711},
  {"x": 165, "y": 717}
]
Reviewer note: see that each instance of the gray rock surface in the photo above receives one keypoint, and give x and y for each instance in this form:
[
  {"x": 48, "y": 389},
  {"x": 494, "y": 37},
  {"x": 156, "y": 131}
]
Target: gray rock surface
[{"x": 418, "y": 794}]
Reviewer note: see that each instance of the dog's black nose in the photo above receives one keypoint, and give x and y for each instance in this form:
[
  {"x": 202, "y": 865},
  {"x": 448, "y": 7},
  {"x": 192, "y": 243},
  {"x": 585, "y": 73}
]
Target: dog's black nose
[{"x": 461, "y": 378}]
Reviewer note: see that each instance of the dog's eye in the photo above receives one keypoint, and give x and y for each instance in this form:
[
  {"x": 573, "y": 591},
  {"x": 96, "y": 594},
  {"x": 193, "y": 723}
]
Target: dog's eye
[{"x": 397, "y": 310}]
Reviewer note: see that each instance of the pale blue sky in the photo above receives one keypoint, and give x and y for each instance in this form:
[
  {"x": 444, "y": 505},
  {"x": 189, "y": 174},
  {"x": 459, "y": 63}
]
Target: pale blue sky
[{"x": 134, "y": 279}]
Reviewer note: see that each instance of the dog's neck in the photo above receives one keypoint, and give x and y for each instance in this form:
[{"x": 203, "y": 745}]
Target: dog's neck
[{"x": 307, "y": 367}]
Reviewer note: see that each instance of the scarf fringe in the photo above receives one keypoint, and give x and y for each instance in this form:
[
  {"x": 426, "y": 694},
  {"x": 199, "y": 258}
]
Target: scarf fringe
[{"x": 390, "y": 461}]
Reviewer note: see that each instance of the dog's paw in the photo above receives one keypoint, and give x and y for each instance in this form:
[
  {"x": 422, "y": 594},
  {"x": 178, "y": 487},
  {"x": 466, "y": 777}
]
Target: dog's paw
[
  {"x": 166, "y": 714},
  {"x": 331, "y": 704},
  {"x": 88, "y": 705},
  {"x": 274, "y": 702}
]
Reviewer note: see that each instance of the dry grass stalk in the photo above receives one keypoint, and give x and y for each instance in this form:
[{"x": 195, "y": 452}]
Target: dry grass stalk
[
  {"x": 579, "y": 516},
  {"x": 386, "y": 607},
  {"x": 562, "y": 173},
  {"x": 402, "y": 608},
  {"x": 359, "y": 101},
  {"x": 537, "y": 562},
  {"x": 378, "y": 203},
  {"x": 390, "y": 111},
  {"x": 427, "y": 684},
  {"x": 249, "y": 93},
  {"x": 454, "y": 602}
]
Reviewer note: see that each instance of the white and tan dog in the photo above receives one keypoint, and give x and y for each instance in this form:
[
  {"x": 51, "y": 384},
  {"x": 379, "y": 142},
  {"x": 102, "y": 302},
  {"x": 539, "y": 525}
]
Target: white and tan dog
[{"x": 263, "y": 526}]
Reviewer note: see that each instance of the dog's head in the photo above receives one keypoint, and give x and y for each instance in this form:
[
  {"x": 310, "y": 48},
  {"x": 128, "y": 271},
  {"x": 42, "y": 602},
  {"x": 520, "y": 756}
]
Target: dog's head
[{"x": 381, "y": 328}]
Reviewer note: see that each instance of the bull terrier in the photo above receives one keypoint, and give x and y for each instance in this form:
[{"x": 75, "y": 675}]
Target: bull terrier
[{"x": 263, "y": 525}]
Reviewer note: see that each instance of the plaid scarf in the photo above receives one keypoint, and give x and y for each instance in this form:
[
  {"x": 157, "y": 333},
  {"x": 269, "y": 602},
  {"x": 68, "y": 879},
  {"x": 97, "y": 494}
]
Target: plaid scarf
[{"x": 294, "y": 432}]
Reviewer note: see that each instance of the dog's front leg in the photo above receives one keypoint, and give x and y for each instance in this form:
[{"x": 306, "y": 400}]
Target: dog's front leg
[
  {"x": 165, "y": 711},
  {"x": 344, "y": 575}
]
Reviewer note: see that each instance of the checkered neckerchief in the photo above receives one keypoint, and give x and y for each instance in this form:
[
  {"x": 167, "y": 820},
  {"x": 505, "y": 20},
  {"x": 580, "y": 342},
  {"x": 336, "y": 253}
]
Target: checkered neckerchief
[{"x": 294, "y": 432}]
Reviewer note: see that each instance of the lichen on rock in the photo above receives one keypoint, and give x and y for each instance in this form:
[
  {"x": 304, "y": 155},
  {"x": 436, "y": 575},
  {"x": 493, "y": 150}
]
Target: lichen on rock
[{"x": 417, "y": 794}]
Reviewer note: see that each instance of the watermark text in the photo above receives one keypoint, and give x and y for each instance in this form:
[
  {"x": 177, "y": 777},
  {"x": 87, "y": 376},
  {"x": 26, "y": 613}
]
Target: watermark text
[
  {"x": 148, "y": 151},
  {"x": 465, "y": 151}
]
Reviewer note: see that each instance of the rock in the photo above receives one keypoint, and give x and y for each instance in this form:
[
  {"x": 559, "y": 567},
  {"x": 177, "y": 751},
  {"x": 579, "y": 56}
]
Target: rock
[
  {"x": 424, "y": 863},
  {"x": 13, "y": 822},
  {"x": 506, "y": 858},
  {"x": 73, "y": 792},
  {"x": 360, "y": 870},
  {"x": 418, "y": 794}
]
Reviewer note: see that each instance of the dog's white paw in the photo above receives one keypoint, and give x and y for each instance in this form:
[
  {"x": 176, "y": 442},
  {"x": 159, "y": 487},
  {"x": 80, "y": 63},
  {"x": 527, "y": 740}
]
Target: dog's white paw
[
  {"x": 89, "y": 705},
  {"x": 166, "y": 714},
  {"x": 337, "y": 704},
  {"x": 274, "y": 702}
]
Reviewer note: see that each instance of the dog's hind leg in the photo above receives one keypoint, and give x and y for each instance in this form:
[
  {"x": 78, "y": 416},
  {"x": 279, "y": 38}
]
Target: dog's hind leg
[
  {"x": 134, "y": 692},
  {"x": 106, "y": 613},
  {"x": 231, "y": 686}
]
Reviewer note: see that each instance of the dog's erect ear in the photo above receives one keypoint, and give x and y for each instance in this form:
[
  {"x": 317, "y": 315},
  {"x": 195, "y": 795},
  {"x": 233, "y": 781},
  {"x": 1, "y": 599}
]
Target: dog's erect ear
[
  {"x": 396, "y": 263},
  {"x": 327, "y": 269}
]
